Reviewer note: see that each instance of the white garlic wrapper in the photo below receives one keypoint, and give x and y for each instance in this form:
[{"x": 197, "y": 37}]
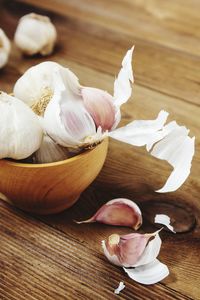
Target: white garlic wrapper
[
  {"x": 49, "y": 151},
  {"x": 4, "y": 48},
  {"x": 20, "y": 130},
  {"x": 35, "y": 34}
]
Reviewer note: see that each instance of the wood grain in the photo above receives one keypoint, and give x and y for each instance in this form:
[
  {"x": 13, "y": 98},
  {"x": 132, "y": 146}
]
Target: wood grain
[{"x": 53, "y": 258}]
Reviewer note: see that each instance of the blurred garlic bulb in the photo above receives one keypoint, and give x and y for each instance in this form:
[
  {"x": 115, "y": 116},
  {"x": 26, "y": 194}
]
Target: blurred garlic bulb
[
  {"x": 4, "y": 48},
  {"x": 35, "y": 34},
  {"x": 20, "y": 130},
  {"x": 49, "y": 152}
]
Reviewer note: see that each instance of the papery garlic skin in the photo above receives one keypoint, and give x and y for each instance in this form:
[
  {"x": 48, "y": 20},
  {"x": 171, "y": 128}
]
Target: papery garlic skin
[
  {"x": 49, "y": 151},
  {"x": 20, "y": 130},
  {"x": 5, "y": 48},
  {"x": 35, "y": 34},
  {"x": 120, "y": 212}
]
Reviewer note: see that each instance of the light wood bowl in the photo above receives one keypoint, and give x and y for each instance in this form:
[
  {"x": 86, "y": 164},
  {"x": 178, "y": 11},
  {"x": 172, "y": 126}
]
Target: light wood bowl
[{"x": 52, "y": 187}]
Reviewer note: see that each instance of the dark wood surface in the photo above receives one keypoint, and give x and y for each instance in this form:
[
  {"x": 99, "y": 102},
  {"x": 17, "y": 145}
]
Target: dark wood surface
[{"x": 53, "y": 258}]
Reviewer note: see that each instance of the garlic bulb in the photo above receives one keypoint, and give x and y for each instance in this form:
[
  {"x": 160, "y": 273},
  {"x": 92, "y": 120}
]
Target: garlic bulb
[
  {"x": 20, "y": 130},
  {"x": 35, "y": 34},
  {"x": 49, "y": 152},
  {"x": 4, "y": 48}
]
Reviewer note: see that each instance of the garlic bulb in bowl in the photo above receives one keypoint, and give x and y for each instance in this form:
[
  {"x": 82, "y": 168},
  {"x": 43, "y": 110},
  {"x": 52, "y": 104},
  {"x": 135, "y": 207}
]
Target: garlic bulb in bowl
[
  {"x": 35, "y": 34},
  {"x": 20, "y": 130},
  {"x": 4, "y": 48}
]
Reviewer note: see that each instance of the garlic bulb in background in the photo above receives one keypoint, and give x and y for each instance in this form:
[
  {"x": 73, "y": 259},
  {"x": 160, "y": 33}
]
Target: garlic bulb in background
[
  {"x": 20, "y": 130},
  {"x": 35, "y": 34},
  {"x": 4, "y": 49},
  {"x": 49, "y": 152}
]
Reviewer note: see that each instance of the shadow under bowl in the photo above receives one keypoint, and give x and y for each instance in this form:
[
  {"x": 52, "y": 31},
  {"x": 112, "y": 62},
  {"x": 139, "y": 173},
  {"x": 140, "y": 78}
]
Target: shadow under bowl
[{"x": 52, "y": 187}]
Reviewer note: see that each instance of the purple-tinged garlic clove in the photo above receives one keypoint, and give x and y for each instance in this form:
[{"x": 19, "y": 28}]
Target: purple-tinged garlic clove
[
  {"x": 120, "y": 212},
  {"x": 100, "y": 106}
]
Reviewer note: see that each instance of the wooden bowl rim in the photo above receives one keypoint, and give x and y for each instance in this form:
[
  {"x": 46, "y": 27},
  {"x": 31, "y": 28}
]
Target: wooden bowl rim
[{"x": 61, "y": 162}]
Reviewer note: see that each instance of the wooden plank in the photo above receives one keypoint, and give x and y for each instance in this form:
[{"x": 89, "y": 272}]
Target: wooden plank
[
  {"x": 156, "y": 67},
  {"x": 174, "y": 24},
  {"x": 38, "y": 262}
]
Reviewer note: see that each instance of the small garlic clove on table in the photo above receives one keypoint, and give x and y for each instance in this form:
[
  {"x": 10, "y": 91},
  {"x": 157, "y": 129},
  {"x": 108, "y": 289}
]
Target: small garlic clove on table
[
  {"x": 121, "y": 212},
  {"x": 35, "y": 34},
  {"x": 5, "y": 48},
  {"x": 20, "y": 131}
]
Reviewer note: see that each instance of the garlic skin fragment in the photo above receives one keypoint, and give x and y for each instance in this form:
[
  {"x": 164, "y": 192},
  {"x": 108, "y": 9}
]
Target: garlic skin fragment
[
  {"x": 49, "y": 152},
  {"x": 120, "y": 288},
  {"x": 35, "y": 34},
  {"x": 148, "y": 274},
  {"x": 5, "y": 48},
  {"x": 164, "y": 220},
  {"x": 169, "y": 142},
  {"x": 120, "y": 212},
  {"x": 22, "y": 134}
]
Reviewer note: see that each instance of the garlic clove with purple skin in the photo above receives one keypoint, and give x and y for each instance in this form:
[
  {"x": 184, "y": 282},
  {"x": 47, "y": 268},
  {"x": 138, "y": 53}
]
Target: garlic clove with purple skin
[
  {"x": 131, "y": 250},
  {"x": 125, "y": 250},
  {"x": 120, "y": 212},
  {"x": 100, "y": 105}
]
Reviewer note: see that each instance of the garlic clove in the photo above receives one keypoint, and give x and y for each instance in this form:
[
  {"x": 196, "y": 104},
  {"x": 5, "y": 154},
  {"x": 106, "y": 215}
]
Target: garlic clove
[
  {"x": 100, "y": 105},
  {"x": 66, "y": 120},
  {"x": 126, "y": 250},
  {"x": 121, "y": 212},
  {"x": 5, "y": 48},
  {"x": 49, "y": 152},
  {"x": 150, "y": 273},
  {"x": 35, "y": 34},
  {"x": 23, "y": 126}
]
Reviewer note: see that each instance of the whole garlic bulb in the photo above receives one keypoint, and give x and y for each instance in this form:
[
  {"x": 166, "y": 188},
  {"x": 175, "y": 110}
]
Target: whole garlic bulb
[
  {"x": 35, "y": 34},
  {"x": 74, "y": 116},
  {"x": 4, "y": 48},
  {"x": 20, "y": 130}
]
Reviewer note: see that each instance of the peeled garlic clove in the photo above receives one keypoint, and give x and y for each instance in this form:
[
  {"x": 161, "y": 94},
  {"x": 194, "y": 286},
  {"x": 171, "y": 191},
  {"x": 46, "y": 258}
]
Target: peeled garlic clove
[
  {"x": 4, "y": 48},
  {"x": 122, "y": 212},
  {"x": 100, "y": 105},
  {"x": 49, "y": 152},
  {"x": 20, "y": 130},
  {"x": 126, "y": 250},
  {"x": 35, "y": 34}
]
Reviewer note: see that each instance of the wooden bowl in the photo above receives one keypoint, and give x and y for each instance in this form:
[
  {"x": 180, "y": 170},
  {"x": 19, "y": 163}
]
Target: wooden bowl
[{"x": 52, "y": 187}]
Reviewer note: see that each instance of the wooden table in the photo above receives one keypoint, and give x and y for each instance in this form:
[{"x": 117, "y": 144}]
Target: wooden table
[{"x": 53, "y": 258}]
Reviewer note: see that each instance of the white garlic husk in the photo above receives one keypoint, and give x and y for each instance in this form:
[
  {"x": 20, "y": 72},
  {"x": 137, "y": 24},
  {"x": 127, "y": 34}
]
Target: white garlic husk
[
  {"x": 35, "y": 34},
  {"x": 50, "y": 151},
  {"x": 20, "y": 131},
  {"x": 5, "y": 48}
]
